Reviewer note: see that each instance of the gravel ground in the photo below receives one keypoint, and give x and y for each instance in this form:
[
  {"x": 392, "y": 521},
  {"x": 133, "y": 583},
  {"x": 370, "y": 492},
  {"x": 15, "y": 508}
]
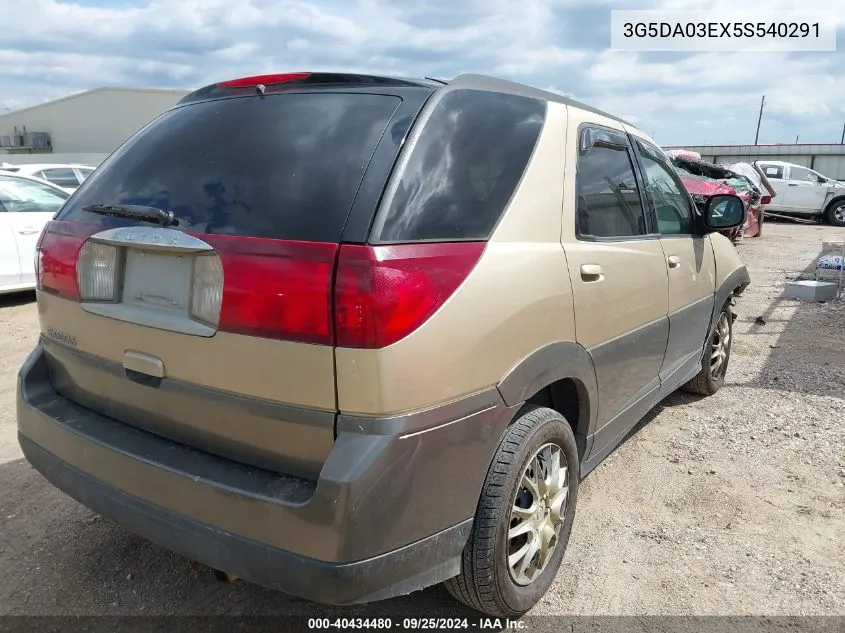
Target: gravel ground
[{"x": 729, "y": 505}]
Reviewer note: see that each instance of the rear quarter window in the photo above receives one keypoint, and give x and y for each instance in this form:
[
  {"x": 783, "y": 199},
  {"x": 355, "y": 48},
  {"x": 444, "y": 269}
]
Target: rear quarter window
[
  {"x": 284, "y": 166},
  {"x": 463, "y": 169}
]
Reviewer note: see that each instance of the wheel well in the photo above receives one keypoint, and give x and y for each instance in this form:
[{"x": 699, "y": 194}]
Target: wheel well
[
  {"x": 834, "y": 201},
  {"x": 569, "y": 398}
]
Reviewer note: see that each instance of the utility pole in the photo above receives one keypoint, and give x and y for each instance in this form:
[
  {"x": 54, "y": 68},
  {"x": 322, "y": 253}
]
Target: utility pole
[
  {"x": 843, "y": 136},
  {"x": 796, "y": 139},
  {"x": 759, "y": 118}
]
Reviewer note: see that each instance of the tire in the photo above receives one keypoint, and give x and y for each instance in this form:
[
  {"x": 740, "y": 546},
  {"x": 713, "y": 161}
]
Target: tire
[
  {"x": 486, "y": 582},
  {"x": 707, "y": 381},
  {"x": 835, "y": 213}
]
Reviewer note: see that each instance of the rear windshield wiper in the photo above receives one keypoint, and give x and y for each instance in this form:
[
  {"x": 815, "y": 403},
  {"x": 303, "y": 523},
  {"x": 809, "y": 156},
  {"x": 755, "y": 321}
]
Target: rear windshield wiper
[{"x": 135, "y": 212}]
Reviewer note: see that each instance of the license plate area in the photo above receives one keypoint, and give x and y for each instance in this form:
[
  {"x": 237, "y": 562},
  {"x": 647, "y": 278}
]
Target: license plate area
[
  {"x": 155, "y": 291},
  {"x": 157, "y": 281}
]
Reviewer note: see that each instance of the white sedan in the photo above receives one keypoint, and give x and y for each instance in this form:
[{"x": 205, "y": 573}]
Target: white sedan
[
  {"x": 26, "y": 206},
  {"x": 68, "y": 177}
]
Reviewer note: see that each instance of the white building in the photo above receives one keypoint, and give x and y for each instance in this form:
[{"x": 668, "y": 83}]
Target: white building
[{"x": 84, "y": 127}]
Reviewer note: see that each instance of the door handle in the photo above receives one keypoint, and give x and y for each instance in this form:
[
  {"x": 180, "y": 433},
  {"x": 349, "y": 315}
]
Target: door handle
[
  {"x": 28, "y": 230},
  {"x": 674, "y": 261},
  {"x": 591, "y": 272},
  {"x": 792, "y": 184}
]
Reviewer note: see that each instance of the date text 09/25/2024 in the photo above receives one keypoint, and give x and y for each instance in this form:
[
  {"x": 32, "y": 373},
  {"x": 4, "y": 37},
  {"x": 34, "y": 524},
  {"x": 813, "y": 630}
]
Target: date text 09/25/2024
[{"x": 431, "y": 624}]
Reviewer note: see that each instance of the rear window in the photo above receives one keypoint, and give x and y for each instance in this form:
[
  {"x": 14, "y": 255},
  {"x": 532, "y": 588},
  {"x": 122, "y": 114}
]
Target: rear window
[
  {"x": 464, "y": 168},
  {"x": 60, "y": 176},
  {"x": 280, "y": 166}
]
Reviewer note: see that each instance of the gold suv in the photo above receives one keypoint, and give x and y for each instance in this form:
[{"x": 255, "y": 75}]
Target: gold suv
[{"x": 350, "y": 336}]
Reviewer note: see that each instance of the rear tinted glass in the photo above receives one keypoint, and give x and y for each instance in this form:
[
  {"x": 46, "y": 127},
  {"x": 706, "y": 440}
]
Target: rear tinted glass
[
  {"x": 464, "y": 167},
  {"x": 281, "y": 166}
]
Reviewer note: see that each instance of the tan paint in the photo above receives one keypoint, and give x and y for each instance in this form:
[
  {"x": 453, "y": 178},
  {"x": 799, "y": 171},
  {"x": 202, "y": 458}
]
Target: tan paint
[
  {"x": 727, "y": 257},
  {"x": 694, "y": 277},
  {"x": 516, "y": 300},
  {"x": 633, "y": 291},
  {"x": 280, "y": 371}
]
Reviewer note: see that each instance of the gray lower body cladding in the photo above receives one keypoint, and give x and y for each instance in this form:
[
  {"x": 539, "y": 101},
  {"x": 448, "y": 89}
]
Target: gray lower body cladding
[{"x": 389, "y": 513}]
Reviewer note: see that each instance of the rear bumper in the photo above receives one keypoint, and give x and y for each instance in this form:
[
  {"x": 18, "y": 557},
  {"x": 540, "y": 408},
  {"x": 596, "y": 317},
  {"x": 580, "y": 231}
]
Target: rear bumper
[{"x": 390, "y": 513}]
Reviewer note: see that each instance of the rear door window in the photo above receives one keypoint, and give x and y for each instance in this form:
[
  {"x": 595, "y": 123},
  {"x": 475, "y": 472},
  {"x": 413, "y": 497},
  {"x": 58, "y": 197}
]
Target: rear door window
[
  {"x": 772, "y": 171},
  {"x": 463, "y": 169},
  {"x": 283, "y": 166}
]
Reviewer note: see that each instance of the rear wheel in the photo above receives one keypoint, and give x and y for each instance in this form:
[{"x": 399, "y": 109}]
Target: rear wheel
[
  {"x": 714, "y": 363},
  {"x": 835, "y": 214},
  {"x": 524, "y": 517}
]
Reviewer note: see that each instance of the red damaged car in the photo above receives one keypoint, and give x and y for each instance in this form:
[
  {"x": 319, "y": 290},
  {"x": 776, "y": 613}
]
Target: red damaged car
[{"x": 703, "y": 180}]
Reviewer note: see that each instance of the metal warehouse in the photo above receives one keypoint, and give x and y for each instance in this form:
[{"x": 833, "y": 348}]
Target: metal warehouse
[
  {"x": 82, "y": 127},
  {"x": 827, "y": 159}
]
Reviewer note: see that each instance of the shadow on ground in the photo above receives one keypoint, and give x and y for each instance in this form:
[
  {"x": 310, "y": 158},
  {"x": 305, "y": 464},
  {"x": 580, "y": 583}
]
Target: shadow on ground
[
  {"x": 14, "y": 299},
  {"x": 809, "y": 356}
]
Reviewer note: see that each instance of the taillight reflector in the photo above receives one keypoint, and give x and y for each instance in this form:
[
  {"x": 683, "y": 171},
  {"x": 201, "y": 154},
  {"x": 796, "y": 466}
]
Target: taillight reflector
[
  {"x": 57, "y": 255},
  {"x": 266, "y": 80},
  {"x": 276, "y": 289},
  {"x": 383, "y": 293}
]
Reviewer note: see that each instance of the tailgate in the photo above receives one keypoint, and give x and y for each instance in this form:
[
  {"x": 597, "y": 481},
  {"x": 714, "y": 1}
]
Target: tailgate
[{"x": 214, "y": 330}]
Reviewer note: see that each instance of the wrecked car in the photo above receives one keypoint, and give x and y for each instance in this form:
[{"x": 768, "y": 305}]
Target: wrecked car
[{"x": 704, "y": 180}]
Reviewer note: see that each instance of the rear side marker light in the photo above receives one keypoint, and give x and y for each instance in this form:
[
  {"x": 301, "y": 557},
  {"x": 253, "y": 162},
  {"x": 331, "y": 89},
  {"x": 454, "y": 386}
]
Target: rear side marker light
[
  {"x": 263, "y": 80},
  {"x": 207, "y": 290},
  {"x": 383, "y": 293},
  {"x": 96, "y": 272}
]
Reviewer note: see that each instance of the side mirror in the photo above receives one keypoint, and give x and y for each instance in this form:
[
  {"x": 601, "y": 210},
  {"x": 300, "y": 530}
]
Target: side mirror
[
  {"x": 765, "y": 200},
  {"x": 724, "y": 212}
]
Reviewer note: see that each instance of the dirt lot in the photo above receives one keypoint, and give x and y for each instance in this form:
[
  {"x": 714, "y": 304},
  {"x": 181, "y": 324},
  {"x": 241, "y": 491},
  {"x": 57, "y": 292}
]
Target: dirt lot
[{"x": 729, "y": 505}]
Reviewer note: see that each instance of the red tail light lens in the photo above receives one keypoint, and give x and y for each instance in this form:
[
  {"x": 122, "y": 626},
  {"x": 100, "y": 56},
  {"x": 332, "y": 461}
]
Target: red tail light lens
[
  {"x": 265, "y": 80},
  {"x": 56, "y": 257},
  {"x": 766, "y": 200},
  {"x": 383, "y": 293},
  {"x": 276, "y": 289}
]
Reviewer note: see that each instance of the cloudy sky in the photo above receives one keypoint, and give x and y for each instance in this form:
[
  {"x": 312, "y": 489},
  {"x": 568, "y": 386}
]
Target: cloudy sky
[{"x": 51, "y": 48}]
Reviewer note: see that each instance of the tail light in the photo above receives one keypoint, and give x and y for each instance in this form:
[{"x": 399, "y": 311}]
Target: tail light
[
  {"x": 273, "y": 288},
  {"x": 765, "y": 200},
  {"x": 56, "y": 257},
  {"x": 96, "y": 272},
  {"x": 383, "y": 293},
  {"x": 280, "y": 289}
]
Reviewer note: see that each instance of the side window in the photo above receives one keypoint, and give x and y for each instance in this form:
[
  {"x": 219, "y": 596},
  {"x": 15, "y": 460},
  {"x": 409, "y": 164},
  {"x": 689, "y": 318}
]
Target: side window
[
  {"x": 666, "y": 193},
  {"x": 18, "y": 195},
  {"x": 608, "y": 198},
  {"x": 464, "y": 168},
  {"x": 800, "y": 173},
  {"x": 61, "y": 176},
  {"x": 772, "y": 171}
]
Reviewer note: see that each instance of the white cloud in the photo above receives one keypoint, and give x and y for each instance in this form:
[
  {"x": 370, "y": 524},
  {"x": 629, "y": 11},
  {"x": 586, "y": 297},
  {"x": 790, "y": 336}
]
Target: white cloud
[{"x": 57, "y": 47}]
